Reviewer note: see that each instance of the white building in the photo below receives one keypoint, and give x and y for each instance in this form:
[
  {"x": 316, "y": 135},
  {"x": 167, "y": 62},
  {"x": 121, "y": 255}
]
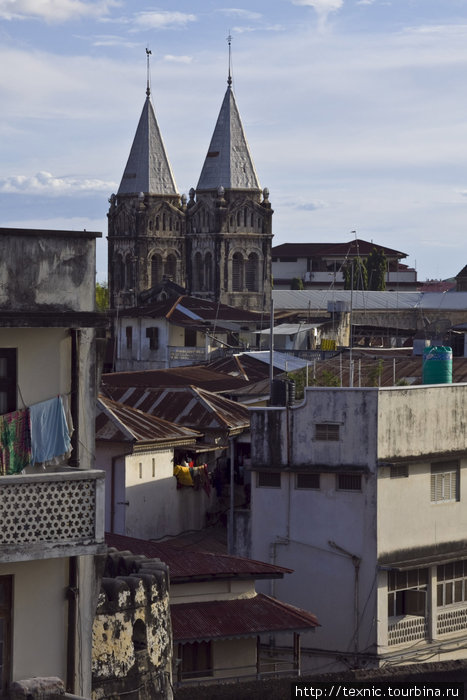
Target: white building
[
  {"x": 52, "y": 512},
  {"x": 361, "y": 492}
]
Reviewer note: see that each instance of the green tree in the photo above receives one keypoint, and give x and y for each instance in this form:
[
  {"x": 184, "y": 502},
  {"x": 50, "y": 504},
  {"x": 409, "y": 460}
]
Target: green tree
[
  {"x": 297, "y": 283},
  {"x": 355, "y": 270},
  {"x": 376, "y": 265},
  {"x": 102, "y": 296}
]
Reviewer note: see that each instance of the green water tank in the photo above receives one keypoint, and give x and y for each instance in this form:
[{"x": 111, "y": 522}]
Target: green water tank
[{"x": 437, "y": 365}]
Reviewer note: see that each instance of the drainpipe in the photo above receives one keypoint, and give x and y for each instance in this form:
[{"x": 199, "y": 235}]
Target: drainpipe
[
  {"x": 356, "y": 561},
  {"x": 74, "y": 400},
  {"x": 72, "y": 595},
  {"x": 232, "y": 497}
]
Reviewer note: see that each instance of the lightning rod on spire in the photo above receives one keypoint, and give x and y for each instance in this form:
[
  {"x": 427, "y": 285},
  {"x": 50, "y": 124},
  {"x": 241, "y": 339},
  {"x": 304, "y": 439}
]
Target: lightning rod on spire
[
  {"x": 148, "y": 89},
  {"x": 229, "y": 79}
]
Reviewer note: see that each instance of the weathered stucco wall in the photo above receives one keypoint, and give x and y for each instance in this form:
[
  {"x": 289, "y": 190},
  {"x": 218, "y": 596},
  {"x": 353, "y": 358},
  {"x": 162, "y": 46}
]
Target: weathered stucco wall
[
  {"x": 418, "y": 420},
  {"x": 48, "y": 269}
]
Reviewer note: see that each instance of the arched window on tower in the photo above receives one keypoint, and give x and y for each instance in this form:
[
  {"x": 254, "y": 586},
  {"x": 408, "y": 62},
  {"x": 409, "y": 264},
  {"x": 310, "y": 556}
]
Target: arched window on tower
[
  {"x": 197, "y": 272},
  {"x": 157, "y": 223},
  {"x": 164, "y": 222},
  {"x": 119, "y": 273},
  {"x": 156, "y": 270},
  {"x": 208, "y": 272},
  {"x": 129, "y": 276},
  {"x": 239, "y": 218},
  {"x": 252, "y": 273},
  {"x": 237, "y": 272},
  {"x": 170, "y": 268}
]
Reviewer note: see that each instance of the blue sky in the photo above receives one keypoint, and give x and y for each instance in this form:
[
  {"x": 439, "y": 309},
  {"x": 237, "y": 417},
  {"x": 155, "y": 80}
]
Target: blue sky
[{"x": 355, "y": 112}]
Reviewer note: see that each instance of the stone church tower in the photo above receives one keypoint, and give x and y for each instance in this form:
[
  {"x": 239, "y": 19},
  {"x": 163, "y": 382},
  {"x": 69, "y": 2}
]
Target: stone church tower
[{"x": 218, "y": 246}]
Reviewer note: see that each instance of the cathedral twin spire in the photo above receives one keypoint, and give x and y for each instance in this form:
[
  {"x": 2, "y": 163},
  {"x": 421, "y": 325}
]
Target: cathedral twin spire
[{"x": 228, "y": 163}]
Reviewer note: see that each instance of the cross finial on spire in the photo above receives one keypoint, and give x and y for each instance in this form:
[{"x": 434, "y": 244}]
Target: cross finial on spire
[
  {"x": 148, "y": 89},
  {"x": 229, "y": 79}
]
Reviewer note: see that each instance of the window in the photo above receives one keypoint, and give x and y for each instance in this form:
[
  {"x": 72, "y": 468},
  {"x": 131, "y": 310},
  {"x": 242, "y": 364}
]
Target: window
[
  {"x": 445, "y": 481},
  {"x": 129, "y": 337},
  {"x": 451, "y": 583},
  {"x": 251, "y": 275},
  {"x": 268, "y": 480},
  {"x": 307, "y": 481},
  {"x": 190, "y": 337},
  {"x": 237, "y": 272},
  {"x": 7, "y": 380},
  {"x": 153, "y": 467},
  {"x": 407, "y": 592},
  {"x": 6, "y": 586},
  {"x": 327, "y": 431},
  {"x": 171, "y": 267},
  {"x": 153, "y": 334},
  {"x": 156, "y": 270},
  {"x": 349, "y": 482},
  {"x": 399, "y": 471},
  {"x": 196, "y": 659}
]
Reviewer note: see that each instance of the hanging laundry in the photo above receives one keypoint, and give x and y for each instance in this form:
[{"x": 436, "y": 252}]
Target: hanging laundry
[
  {"x": 49, "y": 430},
  {"x": 15, "y": 442},
  {"x": 183, "y": 475}
]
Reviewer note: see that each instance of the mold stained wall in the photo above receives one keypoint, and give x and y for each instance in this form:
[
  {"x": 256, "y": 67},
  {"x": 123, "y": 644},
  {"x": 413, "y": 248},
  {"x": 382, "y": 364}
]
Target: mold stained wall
[
  {"x": 428, "y": 420},
  {"x": 294, "y": 527}
]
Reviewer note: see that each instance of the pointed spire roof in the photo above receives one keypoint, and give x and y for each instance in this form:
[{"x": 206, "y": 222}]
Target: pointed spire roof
[
  {"x": 228, "y": 162},
  {"x": 148, "y": 169}
]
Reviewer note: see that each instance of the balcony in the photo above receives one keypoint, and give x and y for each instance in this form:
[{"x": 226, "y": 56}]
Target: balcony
[
  {"x": 407, "y": 629},
  {"x": 51, "y": 514},
  {"x": 187, "y": 355}
]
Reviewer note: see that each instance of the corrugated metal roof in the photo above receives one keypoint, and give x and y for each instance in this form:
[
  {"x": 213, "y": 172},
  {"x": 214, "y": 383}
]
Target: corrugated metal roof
[
  {"x": 193, "y": 308},
  {"x": 290, "y": 328},
  {"x": 245, "y": 617},
  {"x": 195, "y": 375},
  {"x": 188, "y": 406},
  {"x": 228, "y": 162},
  {"x": 116, "y": 422},
  {"x": 317, "y": 300},
  {"x": 186, "y": 564},
  {"x": 354, "y": 247},
  {"x": 377, "y": 369},
  {"x": 148, "y": 169}
]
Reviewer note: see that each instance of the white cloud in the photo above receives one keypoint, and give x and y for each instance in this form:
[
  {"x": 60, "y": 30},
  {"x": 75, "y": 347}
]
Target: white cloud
[
  {"x": 322, "y": 7},
  {"x": 161, "y": 20},
  {"x": 54, "y": 10},
  {"x": 46, "y": 183},
  {"x": 177, "y": 59},
  {"x": 236, "y": 12}
]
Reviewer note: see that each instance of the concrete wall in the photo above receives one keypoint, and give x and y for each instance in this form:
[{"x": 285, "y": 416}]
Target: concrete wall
[
  {"x": 47, "y": 269},
  {"x": 211, "y": 590},
  {"x": 420, "y": 420},
  {"x": 147, "y": 506},
  {"x": 44, "y": 362},
  {"x": 43, "y": 581}
]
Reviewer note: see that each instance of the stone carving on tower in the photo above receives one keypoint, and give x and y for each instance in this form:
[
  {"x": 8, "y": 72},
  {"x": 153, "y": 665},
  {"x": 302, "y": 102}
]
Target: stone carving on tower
[{"x": 146, "y": 219}]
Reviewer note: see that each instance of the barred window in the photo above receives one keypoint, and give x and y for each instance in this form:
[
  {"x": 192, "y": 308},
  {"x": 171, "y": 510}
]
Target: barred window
[
  {"x": 268, "y": 480},
  {"x": 153, "y": 334},
  {"x": 451, "y": 585},
  {"x": 349, "y": 482},
  {"x": 399, "y": 471},
  {"x": 445, "y": 481},
  {"x": 407, "y": 592},
  {"x": 129, "y": 337},
  {"x": 327, "y": 431},
  {"x": 307, "y": 481}
]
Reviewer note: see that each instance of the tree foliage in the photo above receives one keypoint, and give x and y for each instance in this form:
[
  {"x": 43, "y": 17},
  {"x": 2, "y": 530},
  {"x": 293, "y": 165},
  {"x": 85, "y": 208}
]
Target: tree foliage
[
  {"x": 102, "y": 296},
  {"x": 367, "y": 273},
  {"x": 297, "y": 283}
]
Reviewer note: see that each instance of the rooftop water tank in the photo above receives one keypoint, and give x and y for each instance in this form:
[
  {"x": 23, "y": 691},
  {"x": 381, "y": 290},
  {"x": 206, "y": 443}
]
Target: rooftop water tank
[{"x": 437, "y": 365}]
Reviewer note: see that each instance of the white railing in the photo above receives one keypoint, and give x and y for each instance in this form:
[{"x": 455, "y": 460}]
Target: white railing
[
  {"x": 51, "y": 514},
  {"x": 454, "y": 620},
  {"x": 402, "y": 630},
  {"x": 187, "y": 353},
  {"x": 401, "y": 276}
]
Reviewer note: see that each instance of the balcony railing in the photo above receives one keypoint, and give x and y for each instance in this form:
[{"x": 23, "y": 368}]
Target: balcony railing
[
  {"x": 52, "y": 514},
  {"x": 410, "y": 628},
  {"x": 453, "y": 620},
  {"x": 187, "y": 354}
]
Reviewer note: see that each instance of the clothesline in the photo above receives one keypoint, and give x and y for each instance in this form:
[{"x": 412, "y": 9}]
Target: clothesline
[{"x": 36, "y": 434}]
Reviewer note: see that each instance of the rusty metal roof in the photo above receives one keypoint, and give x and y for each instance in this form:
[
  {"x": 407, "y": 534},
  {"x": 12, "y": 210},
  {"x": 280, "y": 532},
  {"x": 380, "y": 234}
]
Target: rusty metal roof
[
  {"x": 188, "y": 565},
  {"x": 188, "y": 310},
  {"x": 380, "y": 368},
  {"x": 189, "y": 406},
  {"x": 227, "y": 619},
  {"x": 116, "y": 422},
  {"x": 195, "y": 375}
]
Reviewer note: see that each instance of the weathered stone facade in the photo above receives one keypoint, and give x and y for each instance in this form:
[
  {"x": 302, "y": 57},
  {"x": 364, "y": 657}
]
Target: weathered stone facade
[
  {"x": 217, "y": 245},
  {"x": 132, "y": 634}
]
